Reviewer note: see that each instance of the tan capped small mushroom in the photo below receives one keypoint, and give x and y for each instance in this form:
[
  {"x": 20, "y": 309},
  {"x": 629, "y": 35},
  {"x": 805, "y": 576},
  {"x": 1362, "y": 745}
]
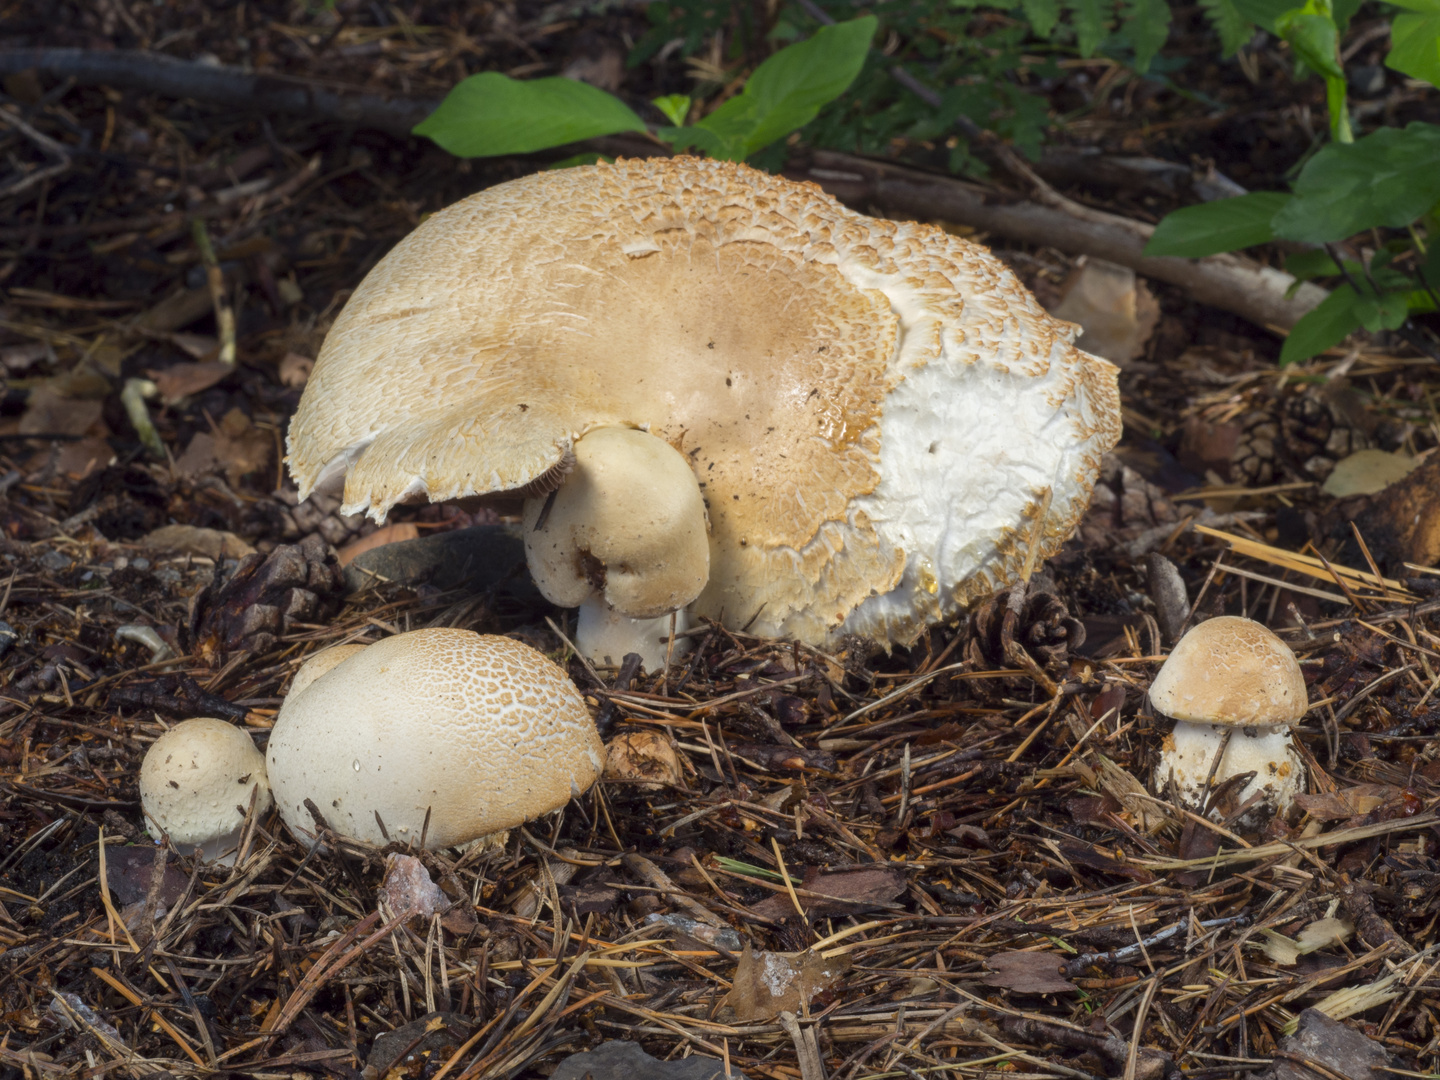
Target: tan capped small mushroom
[
  {"x": 883, "y": 422},
  {"x": 196, "y": 785},
  {"x": 624, "y": 540},
  {"x": 1234, "y": 675},
  {"x": 481, "y": 733}
]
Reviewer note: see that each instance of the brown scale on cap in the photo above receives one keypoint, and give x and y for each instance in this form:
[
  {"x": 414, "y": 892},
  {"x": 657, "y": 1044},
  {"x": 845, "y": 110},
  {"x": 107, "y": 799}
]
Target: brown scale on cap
[{"x": 754, "y": 324}]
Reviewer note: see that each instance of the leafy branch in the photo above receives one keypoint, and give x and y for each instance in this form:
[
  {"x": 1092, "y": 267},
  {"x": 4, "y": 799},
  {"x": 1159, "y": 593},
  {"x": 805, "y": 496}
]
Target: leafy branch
[{"x": 1387, "y": 180}]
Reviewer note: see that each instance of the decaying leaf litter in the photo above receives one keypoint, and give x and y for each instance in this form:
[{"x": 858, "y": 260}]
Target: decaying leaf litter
[{"x": 944, "y": 859}]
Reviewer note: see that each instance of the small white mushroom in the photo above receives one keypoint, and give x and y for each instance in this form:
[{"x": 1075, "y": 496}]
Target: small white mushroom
[
  {"x": 480, "y": 733},
  {"x": 1232, "y": 675},
  {"x": 196, "y": 783}
]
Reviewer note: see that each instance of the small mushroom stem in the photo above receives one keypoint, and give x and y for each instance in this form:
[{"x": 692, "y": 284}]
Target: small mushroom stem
[
  {"x": 1195, "y": 756},
  {"x": 604, "y": 636}
]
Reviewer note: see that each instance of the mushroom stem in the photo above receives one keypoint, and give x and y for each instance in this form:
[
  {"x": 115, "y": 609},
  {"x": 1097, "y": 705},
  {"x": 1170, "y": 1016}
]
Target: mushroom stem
[
  {"x": 604, "y": 636},
  {"x": 1190, "y": 753}
]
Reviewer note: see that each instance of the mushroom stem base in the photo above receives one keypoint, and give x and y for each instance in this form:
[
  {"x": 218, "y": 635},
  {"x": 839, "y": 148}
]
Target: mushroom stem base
[
  {"x": 1268, "y": 752},
  {"x": 604, "y": 636}
]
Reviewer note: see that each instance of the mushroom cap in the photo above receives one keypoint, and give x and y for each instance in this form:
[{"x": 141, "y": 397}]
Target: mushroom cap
[
  {"x": 1187, "y": 752},
  {"x": 880, "y": 416},
  {"x": 1230, "y": 670},
  {"x": 483, "y": 732},
  {"x": 197, "y": 778},
  {"x": 321, "y": 662},
  {"x": 628, "y": 523}
]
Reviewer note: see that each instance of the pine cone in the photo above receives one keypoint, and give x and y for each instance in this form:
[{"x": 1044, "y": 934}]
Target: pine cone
[
  {"x": 1043, "y": 628},
  {"x": 266, "y": 594}
]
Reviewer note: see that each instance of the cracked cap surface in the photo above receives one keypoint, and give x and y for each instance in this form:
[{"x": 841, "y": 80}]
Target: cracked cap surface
[
  {"x": 874, "y": 410},
  {"x": 1230, "y": 670}
]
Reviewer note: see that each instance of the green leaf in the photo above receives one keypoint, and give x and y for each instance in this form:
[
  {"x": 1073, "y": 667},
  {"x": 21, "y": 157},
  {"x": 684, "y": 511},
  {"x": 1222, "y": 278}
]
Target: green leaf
[
  {"x": 1327, "y": 324},
  {"x": 1091, "y": 24},
  {"x": 1388, "y": 178},
  {"x": 1224, "y": 225},
  {"x": 684, "y": 138},
  {"x": 675, "y": 107},
  {"x": 1042, "y": 14},
  {"x": 1384, "y": 312},
  {"x": 491, "y": 114},
  {"x": 1415, "y": 43},
  {"x": 1263, "y": 13},
  {"x": 1233, "y": 27},
  {"x": 1304, "y": 265},
  {"x": 1313, "y": 38},
  {"x": 1146, "y": 26},
  {"x": 788, "y": 90}
]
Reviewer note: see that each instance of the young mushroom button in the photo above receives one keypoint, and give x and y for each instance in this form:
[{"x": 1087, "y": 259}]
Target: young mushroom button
[
  {"x": 624, "y": 540},
  {"x": 1233, "y": 686},
  {"x": 883, "y": 422},
  {"x": 473, "y": 732},
  {"x": 197, "y": 783}
]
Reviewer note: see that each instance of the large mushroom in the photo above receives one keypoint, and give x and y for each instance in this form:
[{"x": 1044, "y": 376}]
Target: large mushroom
[
  {"x": 1234, "y": 690},
  {"x": 882, "y": 421},
  {"x": 471, "y": 733},
  {"x": 197, "y": 782}
]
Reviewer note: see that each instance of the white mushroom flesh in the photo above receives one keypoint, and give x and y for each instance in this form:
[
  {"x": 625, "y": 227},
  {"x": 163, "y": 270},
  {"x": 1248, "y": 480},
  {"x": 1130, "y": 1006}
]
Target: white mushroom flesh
[{"x": 1189, "y": 750}]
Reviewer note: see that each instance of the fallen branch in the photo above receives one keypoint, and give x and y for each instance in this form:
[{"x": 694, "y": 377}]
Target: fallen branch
[
  {"x": 155, "y": 73},
  {"x": 1229, "y": 282}
]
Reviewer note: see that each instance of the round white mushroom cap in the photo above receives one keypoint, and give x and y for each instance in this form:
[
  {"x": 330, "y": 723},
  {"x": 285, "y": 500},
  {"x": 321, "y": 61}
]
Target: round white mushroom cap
[
  {"x": 196, "y": 783},
  {"x": 482, "y": 732},
  {"x": 882, "y": 420},
  {"x": 1230, "y": 670},
  {"x": 1189, "y": 750}
]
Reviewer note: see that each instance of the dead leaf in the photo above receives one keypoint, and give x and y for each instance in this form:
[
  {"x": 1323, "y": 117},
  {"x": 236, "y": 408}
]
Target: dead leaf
[
  {"x": 1027, "y": 973},
  {"x": 1352, "y": 802},
  {"x": 190, "y": 540},
  {"x": 186, "y": 380},
  {"x": 407, "y": 888},
  {"x": 769, "y": 983},
  {"x": 128, "y": 872},
  {"x": 643, "y": 757},
  {"x": 295, "y": 370},
  {"x": 1402, "y": 522},
  {"x": 80, "y": 458},
  {"x": 236, "y": 446},
  {"x": 47, "y": 412},
  {"x": 847, "y": 890},
  {"x": 1092, "y": 858},
  {"x": 1367, "y": 471},
  {"x": 1113, "y": 307},
  {"x": 387, "y": 534}
]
